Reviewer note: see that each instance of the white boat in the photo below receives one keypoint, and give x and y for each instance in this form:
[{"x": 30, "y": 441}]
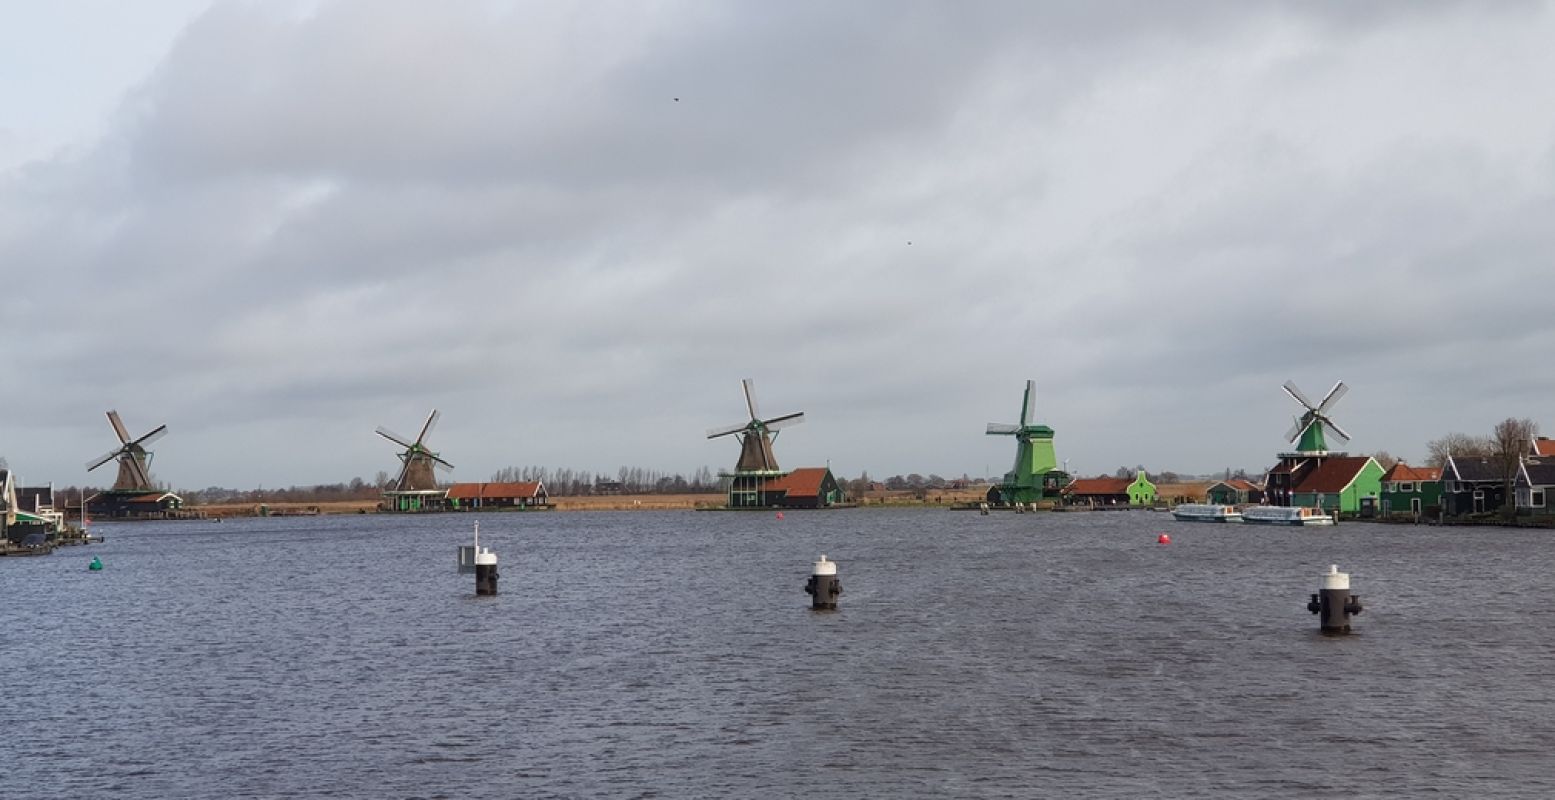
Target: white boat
[
  {"x": 1285, "y": 515},
  {"x": 1203, "y": 512}
]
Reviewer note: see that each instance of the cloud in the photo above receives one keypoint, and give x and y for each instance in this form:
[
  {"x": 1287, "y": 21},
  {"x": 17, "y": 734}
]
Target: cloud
[{"x": 575, "y": 228}]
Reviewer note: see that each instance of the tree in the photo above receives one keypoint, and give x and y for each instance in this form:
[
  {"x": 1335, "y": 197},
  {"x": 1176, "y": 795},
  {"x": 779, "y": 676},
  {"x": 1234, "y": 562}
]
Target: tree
[
  {"x": 1455, "y": 444},
  {"x": 1385, "y": 459},
  {"x": 1508, "y": 444}
]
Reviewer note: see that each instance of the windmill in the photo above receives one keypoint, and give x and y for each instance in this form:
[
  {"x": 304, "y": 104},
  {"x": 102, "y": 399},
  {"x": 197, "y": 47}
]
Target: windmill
[
  {"x": 1034, "y": 456},
  {"x": 417, "y": 462},
  {"x": 1314, "y": 426},
  {"x": 756, "y": 436},
  {"x": 134, "y": 459}
]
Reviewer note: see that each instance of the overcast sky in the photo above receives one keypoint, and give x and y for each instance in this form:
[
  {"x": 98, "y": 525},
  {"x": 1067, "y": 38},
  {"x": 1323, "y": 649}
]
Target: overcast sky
[{"x": 575, "y": 227}]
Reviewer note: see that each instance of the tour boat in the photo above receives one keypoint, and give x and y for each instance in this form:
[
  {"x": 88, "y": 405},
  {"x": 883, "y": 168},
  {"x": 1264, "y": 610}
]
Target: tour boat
[
  {"x": 1285, "y": 515},
  {"x": 1202, "y": 512}
]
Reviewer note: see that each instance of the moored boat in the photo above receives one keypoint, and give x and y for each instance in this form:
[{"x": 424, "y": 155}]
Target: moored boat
[
  {"x": 1204, "y": 512},
  {"x": 1285, "y": 515}
]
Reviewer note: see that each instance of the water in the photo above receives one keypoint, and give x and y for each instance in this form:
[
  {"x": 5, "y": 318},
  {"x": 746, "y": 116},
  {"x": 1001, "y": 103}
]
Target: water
[{"x": 663, "y": 654}]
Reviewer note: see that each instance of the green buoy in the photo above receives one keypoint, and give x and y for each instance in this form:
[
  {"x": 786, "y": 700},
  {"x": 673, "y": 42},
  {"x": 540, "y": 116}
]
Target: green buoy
[{"x": 96, "y": 565}]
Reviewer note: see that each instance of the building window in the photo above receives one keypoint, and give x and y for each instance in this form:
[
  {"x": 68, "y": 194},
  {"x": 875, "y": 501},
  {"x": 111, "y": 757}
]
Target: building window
[
  {"x": 1536, "y": 498},
  {"x": 1406, "y": 487}
]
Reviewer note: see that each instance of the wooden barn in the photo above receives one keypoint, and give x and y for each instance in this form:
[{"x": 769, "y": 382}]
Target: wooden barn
[
  {"x": 1097, "y": 491},
  {"x": 1234, "y": 492},
  {"x": 133, "y": 505},
  {"x": 1471, "y": 485},
  {"x": 491, "y": 496},
  {"x": 807, "y": 487},
  {"x": 1340, "y": 482}
]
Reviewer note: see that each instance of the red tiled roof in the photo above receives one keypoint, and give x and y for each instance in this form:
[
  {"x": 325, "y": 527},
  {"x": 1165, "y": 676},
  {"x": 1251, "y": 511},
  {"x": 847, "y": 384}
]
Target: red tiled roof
[
  {"x": 1544, "y": 447},
  {"x": 1404, "y": 472},
  {"x": 802, "y": 482},
  {"x": 1241, "y": 485},
  {"x": 487, "y": 491},
  {"x": 1098, "y": 486},
  {"x": 1333, "y": 475}
]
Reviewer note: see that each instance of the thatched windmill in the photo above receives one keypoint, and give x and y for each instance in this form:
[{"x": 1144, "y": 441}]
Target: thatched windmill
[
  {"x": 134, "y": 458},
  {"x": 756, "y": 435},
  {"x": 416, "y": 462}
]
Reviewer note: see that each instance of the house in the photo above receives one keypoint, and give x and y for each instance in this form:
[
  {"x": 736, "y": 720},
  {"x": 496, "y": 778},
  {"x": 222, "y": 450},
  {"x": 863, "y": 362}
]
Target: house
[
  {"x": 1472, "y": 485},
  {"x": 1280, "y": 482},
  {"x": 1098, "y": 491},
  {"x": 1535, "y": 489},
  {"x": 1542, "y": 446},
  {"x": 1411, "y": 491},
  {"x": 1340, "y": 483},
  {"x": 1234, "y": 492},
  {"x": 518, "y": 494},
  {"x": 807, "y": 487},
  {"x": 1141, "y": 492},
  {"x": 134, "y": 505}
]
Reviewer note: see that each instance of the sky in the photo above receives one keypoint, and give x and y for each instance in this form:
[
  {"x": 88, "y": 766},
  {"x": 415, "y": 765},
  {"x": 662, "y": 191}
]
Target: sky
[{"x": 574, "y": 228}]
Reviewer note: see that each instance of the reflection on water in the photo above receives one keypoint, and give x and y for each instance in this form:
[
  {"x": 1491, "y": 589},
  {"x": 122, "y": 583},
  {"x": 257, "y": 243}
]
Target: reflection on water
[{"x": 675, "y": 654}]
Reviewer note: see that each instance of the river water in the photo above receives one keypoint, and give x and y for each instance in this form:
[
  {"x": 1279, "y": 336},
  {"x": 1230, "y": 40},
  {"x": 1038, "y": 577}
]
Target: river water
[{"x": 668, "y": 654}]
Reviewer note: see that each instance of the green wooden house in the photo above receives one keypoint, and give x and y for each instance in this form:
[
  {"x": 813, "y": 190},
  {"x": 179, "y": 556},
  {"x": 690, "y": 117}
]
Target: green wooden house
[
  {"x": 1411, "y": 491},
  {"x": 1234, "y": 492},
  {"x": 1141, "y": 492},
  {"x": 1340, "y": 482}
]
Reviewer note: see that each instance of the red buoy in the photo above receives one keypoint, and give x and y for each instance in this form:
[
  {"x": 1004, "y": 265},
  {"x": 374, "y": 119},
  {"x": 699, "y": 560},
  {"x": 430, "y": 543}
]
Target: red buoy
[
  {"x": 1163, "y": 539},
  {"x": 780, "y": 515}
]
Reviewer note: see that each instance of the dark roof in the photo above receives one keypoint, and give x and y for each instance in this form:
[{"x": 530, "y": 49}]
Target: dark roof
[
  {"x": 1471, "y": 468},
  {"x": 1540, "y": 474},
  {"x": 802, "y": 482},
  {"x": 1404, "y": 472},
  {"x": 1099, "y": 486},
  {"x": 1239, "y": 484},
  {"x": 1333, "y": 475}
]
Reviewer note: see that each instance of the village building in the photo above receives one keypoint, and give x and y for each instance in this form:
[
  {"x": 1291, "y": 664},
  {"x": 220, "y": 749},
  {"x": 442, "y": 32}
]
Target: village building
[
  {"x": 1348, "y": 484},
  {"x": 1542, "y": 447},
  {"x": 1411, "y": 491},
  {"x": 1234, "y": 492},
  {"x": 1110, "y": 491},
  {"x": 806, "y": 487},
  {"x": 1471, "y": 485},
  {"x": 154, "y": 504},
  {"x": 490, "y": 496},
  {"x": 1535, "y": 489}
]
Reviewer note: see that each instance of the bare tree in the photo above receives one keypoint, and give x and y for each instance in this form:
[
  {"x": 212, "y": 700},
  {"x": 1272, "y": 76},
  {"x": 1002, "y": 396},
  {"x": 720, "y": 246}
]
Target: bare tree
[
  {"x": 1455, "y": 444},
  {"x": 1385, "y": 459},
  {"x": 1509, "y": 443}
]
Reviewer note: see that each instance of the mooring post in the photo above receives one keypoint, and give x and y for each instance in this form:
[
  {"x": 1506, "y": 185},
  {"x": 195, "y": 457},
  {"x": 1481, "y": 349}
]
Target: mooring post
[
  {"x": 1334, "y": 602},
  {"x": 823, "y": 586}
]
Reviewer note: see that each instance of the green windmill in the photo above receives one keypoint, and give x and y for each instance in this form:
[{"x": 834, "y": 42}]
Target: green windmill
[
  {"x": 1036, "y": 474},
  {"x": 1311, "y": 425}
]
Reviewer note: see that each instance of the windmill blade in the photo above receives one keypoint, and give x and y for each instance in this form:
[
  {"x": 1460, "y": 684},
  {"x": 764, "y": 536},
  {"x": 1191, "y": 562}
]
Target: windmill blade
[
  {"x": 154, "y": 435},
  {"x": 439, "y": 463},
  {"x": 714, "y": 433},
  {"x": 1335, "y": 430},
  {"x": 393, "y": 437},
  {"x": 1332, "y": 397},
  {"x": 1002, "y": 428},
  {"x": 1028, "y": 409},
  {"x": 1290, "y": 389},
  {"x": 118, "y": 427},
  {"x": 107, "y": 457},
  {"x": 1295, "y": 429},
  {"x": 750, "y": 397},
  {"x": 779, "y": 423},
  {"x": 427, "y": 428}
]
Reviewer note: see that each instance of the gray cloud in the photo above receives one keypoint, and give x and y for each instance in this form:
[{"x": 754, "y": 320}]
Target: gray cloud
[{"x": 301, "y": 227}]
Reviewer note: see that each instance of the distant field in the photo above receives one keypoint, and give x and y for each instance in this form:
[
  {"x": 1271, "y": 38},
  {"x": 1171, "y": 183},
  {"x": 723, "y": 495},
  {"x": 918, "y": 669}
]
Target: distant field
[{"x": 649, "y": 502}]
